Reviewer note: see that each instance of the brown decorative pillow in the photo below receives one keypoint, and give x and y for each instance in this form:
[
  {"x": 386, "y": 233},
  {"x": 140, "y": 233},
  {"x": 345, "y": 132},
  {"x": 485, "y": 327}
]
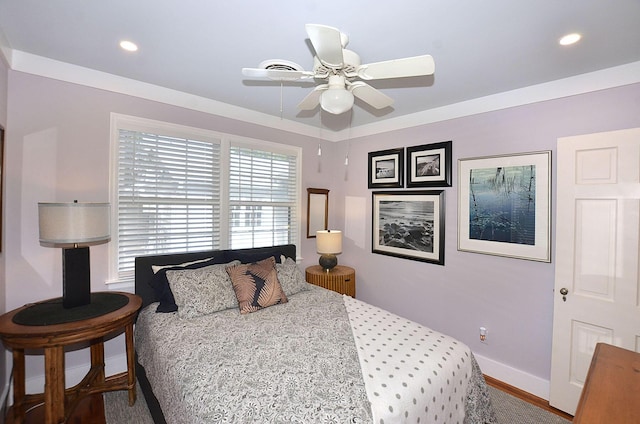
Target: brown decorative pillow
[{"x": 256, "y": 285}]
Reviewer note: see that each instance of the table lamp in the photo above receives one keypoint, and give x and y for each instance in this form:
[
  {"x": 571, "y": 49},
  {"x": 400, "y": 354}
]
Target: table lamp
[
  {"x": 74, "y": 226},
  {"x": 328, "y": 244}
]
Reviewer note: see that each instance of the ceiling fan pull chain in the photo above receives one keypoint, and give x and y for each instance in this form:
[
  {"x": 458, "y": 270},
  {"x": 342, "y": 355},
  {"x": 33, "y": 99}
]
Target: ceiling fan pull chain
[{"x": 281, "y": 85}]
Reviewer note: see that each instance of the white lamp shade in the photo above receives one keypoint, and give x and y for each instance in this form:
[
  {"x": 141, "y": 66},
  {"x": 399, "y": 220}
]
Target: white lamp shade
[
  {"x": 74, "y": 223},
  {"x": 329, "y": 242}
]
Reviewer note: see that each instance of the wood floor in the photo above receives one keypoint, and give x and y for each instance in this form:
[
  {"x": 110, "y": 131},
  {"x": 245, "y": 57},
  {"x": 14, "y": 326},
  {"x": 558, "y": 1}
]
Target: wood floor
[{"x": 527, "y": 397}]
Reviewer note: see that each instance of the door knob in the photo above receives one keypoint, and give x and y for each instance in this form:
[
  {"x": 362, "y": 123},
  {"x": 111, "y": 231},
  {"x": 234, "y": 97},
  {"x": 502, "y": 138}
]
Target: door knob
[{"x": 564, "y": 292}]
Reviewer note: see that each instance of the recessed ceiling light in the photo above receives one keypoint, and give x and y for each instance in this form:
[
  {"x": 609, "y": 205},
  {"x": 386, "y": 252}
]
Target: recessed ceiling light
[
  {"x": 570, "y": 39},
  {"x": 128, "y": 46}
]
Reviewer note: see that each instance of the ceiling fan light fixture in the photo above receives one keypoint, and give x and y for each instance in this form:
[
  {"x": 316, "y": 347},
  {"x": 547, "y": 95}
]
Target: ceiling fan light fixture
[{"x": 336, "y": 100}]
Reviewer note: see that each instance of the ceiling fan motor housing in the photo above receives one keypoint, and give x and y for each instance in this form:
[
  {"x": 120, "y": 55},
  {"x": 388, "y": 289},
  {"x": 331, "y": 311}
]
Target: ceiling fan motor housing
[{"x": 351, "y": 62}]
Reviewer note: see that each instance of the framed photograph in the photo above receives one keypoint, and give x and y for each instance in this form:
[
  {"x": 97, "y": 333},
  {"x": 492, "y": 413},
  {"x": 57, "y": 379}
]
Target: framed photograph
[
  {"x": 409, "y": 224},
  {"x": 504, "y": 205},
  {"x": 429, "y": 165},
  {"x": 386, "y": 168}
]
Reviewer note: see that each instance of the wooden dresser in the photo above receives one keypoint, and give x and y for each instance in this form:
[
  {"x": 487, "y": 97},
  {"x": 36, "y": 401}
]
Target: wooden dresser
[{"x": 611, "y": 393}]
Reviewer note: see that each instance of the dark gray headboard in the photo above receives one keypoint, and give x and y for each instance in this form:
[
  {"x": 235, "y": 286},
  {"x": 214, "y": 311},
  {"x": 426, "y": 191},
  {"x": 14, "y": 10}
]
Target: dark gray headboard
[{"x": 143, "y": 272}]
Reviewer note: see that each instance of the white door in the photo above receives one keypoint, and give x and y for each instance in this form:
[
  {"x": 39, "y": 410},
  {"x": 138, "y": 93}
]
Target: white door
[{"x": 597, "y": 247}]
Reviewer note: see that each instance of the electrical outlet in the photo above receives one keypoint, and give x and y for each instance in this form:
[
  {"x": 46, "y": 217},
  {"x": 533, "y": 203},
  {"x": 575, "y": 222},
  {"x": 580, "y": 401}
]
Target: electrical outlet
[{"x": 483, "y": 334}]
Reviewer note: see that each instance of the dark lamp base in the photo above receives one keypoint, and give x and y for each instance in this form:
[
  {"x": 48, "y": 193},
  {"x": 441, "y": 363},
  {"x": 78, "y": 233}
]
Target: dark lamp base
[
  {"x": 328, "y": 261},
  {"x": 76, "y": 280}
]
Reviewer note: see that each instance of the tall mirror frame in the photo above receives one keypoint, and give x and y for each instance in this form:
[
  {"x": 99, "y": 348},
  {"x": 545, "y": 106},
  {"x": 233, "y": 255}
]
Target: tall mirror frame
[{"x": 317, "y": 210}]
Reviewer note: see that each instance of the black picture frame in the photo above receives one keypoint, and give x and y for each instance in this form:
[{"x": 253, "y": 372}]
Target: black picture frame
[
  {"x": 429, "y": 165},
  {"x": 409, "y": 224},
  {"x": 386, "y": 168}
]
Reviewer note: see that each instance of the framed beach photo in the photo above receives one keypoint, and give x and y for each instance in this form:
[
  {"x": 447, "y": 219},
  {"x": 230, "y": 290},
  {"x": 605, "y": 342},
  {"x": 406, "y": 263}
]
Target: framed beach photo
[
  {"x": 409, "y": 224},
  {"x": 386, "y": 168},
  {"x": 504, "y": 205},
  {"x": 429, "y": 165}
]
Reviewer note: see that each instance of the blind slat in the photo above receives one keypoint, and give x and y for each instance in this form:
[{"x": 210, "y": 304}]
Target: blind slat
[{"x": 169, "y": 196}]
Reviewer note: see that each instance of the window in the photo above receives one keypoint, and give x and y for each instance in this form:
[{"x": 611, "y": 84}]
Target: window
[
  {"x": 263, "y": 193},
  {"x": 180, "y": 189}
]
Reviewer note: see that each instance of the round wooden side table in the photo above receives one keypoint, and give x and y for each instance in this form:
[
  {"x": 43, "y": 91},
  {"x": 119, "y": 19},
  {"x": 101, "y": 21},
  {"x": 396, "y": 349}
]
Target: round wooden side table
[
  {"x": 341, "y": 279},
  {"x": 45, "y": 325}
]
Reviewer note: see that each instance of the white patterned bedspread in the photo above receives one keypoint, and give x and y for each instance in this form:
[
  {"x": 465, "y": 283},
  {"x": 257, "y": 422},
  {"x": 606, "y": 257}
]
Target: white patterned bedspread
[
  {"x": 296, "y": 363},
  {"x": 411, "y": 373}
]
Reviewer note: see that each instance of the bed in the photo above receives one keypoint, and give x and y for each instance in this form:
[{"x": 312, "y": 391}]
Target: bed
[{"x": 248, "y": 340}]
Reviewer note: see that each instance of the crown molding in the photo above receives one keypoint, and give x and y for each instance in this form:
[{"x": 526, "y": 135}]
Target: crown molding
[
  {"x": 579, "y": 84},
  {"x": 62, "y": 71}
]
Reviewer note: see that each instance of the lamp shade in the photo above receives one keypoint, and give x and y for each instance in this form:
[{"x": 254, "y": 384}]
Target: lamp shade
[
  {"x": 329, "y": 242},
  {"x": 74, "y": 223}
]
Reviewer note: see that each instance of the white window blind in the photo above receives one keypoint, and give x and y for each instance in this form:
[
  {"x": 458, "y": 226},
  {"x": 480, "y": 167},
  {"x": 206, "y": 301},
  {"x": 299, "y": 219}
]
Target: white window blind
[
  {"x": 263, "y": 197},
  {"x": 168, "y": 196}
]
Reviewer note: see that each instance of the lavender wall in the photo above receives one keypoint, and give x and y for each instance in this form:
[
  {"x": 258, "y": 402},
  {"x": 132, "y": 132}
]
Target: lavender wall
[
  {"x": 58, "y": 149},
  {"x": 510, "y": 297}
]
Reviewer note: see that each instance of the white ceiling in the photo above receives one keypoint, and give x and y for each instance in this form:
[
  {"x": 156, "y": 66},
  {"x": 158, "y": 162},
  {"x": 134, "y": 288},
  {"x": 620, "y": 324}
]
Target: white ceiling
[{"x": 199, "y": 47}]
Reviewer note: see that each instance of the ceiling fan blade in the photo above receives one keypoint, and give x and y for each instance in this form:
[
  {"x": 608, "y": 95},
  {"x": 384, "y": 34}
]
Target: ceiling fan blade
[
  {"x": 327, "y": 42},
  {"x": 398, "y": 68},
  {"x": 370, "y": 95},
  {"x": 276, "y": 74},
  {"x": 312, "y": 100}
]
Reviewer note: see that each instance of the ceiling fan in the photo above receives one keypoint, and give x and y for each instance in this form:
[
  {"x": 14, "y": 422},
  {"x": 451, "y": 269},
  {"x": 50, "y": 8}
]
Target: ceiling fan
[{"x": 342, "y": 70}]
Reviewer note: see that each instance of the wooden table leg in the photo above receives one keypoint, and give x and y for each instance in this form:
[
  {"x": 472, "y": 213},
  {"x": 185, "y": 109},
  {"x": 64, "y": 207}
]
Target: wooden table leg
[
  {"x": 18, "y": 385},
  {"x": 54, "y": 385},
  {"x": 131, "y": 366},
  {"x": 97, "y": 358}
]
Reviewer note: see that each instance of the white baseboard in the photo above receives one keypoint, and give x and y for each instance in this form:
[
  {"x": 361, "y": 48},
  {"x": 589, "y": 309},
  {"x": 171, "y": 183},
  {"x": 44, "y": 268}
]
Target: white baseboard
[
  {"x": 514, "y": 377},
  {"x": 73, "y": 375}
]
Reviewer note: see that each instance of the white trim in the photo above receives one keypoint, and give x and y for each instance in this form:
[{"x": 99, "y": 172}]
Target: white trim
[
  {"x": 120, "y": 121},
  {"x": 5, "y": 50},
  {"x": 42, "y": 66},
  {"x": 593, "y": 81},
  {"x": 73, "y": 375},
  {"x": 517, "y": 378},
  {"x": 571, "y": 86}
]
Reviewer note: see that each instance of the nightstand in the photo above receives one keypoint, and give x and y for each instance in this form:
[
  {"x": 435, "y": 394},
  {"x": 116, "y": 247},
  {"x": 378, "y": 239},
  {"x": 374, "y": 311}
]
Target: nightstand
[
  {"x": 341, "y": 279},
  {"x": 48, "y": 327}
]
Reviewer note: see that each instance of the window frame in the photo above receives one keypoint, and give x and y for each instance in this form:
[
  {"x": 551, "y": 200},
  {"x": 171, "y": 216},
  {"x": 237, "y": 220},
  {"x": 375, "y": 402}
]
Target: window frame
[{"x": 133, "y": 123}]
